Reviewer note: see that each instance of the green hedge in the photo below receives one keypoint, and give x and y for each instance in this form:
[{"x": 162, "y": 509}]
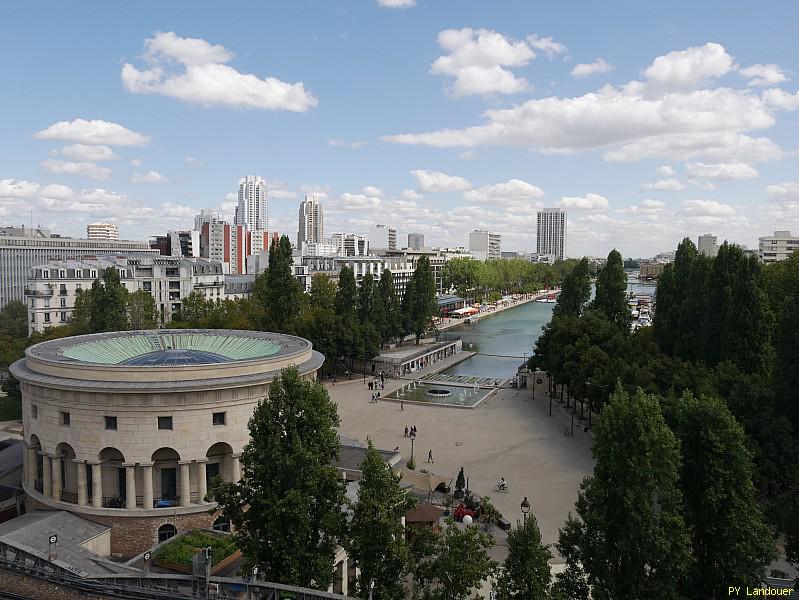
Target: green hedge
[{"x": 182, "y": 548}]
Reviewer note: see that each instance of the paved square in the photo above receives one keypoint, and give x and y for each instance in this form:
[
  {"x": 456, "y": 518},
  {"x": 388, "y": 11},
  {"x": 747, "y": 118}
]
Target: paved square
[{"x": 509, "y": 435}]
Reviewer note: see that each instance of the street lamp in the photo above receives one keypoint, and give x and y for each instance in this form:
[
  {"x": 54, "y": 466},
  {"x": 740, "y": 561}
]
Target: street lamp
[
  {"x": 551, "y": 392},
  {"x": 412, "y": 435},
  {"x": 525, "y": 506}
]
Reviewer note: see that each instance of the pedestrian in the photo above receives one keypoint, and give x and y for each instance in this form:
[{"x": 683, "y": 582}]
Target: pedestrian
[
  {"x": 430, "y": 456},
  {"x": 402, "y": 406},
  {"x": 370, "y": 385},
  {"x": 406, "y": 431},
  {"x": 378, "y": 394}
]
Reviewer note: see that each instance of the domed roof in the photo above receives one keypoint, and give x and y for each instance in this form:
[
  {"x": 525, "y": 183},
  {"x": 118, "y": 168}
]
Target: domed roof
[{"x": 166, "y": 358}]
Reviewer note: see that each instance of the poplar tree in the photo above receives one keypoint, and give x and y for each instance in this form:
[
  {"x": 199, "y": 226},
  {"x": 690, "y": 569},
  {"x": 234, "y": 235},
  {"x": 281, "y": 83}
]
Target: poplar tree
[
  {"x": 108, "y": 311},
  {"x": 575, "y": 291},
  {"x": 611, "y": 291},
  {"x": 277, "y": 291},
  {"x": 526, "y": 572},
  {"x": 389, "y": 305}
]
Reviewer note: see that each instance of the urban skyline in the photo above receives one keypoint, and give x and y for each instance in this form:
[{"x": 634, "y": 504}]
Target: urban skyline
[{"x": 138, "y": 155}]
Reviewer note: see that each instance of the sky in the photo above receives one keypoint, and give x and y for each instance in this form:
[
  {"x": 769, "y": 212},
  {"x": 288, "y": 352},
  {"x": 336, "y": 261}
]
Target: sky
[{"x": 647, "y": 121}]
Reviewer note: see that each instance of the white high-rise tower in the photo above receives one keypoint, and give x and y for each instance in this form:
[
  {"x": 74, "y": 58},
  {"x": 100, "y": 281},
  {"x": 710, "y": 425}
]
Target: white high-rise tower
[
  {"x": 551, "y": 238},
  {"x": 312, "y": 221},
  {"x": 251, "y": 210}
]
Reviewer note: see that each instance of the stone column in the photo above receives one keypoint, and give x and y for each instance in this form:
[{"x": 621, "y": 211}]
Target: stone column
[
  {"x": 147, "y": 484},
  {"x": 47, "y": 475},
  {"x": 344, "y": 572},
  {"x": 130, "y": 486},
  {"x": 58, "y": 484},
  {"x": 235, "y": 468},
  {"x": 185, "y": 482},
  {"x": 33, "y": 466},
  {"x": 83, "y": 486},
  {"x": 202, "y": 486},
  {"x": 97, "y": 485}
]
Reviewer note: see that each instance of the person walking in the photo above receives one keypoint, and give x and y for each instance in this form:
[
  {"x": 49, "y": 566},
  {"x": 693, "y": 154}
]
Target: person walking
[
  {"x": 406, "y": 431},
  {"x": 430, "y": 456},
  {"x": 402, "y": 405}
]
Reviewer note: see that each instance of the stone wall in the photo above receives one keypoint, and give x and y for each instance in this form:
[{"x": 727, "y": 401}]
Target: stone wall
[{"x": 36, "y": 589}]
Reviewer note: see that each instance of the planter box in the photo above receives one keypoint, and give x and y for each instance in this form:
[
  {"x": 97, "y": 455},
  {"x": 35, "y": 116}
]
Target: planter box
[
  {"x": 503, "y": 524},
  {"x": 225, "y": 562},
  {"x": 172, "y": 566}
]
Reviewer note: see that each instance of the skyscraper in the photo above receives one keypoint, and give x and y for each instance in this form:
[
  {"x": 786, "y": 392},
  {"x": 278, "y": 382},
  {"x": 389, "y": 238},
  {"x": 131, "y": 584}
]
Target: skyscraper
[
  {"x": 485, "y": 245},
  {"x": 251, "y": 210},
  {"x": 382, "y": 238},
  {"x": 708, "y": 245},
  {"x": 551, "y": 238},
  {"x": 415, "y": 241},
  {"x": 312, "y": 221}
]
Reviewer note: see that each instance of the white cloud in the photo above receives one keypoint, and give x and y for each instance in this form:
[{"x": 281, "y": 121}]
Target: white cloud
[
  {"x": 769, "y": 74},
  {"x": 670, "y": 184},
  {"x": 733, "y": 170},
  {"x": 781, "y": 99},
  {"x": 396, "y": 3},
  {"x": 93, "y": 132},
  {"x": 436, "y": 181},
  {"x": 194, "y": 71},
  {"x": 546, "y": 45},
  {"x": 707, "y": 208},
  {"x": 468, "y": 155},
  {"x": 371, "y": 190},
  {"x": 662, "y": 117},
  {"x": 665, "y": 171},
  {"x": 193, "y": 162},
  {"x": 321, "y": 190},
  {"x": 278, "y": 193},
  {"x": 136, "y": 162},
  {"x": 411, "y": 195},
  {"x": 586, "y": 69},
  {"x": 86, "y": 169},
  {"x": 340, "y": 142},
  {"x": 85, "y": 152},
  {"x": 148, "y": 177},
  {"x": 18, "y": 188},
  {"x": 690, "y": 68},
  {"x": 590, "y": 201},
  {"x": 785, "y": 193},
  {"x": 480, "y": 61},
  {"x": 348, "y": 201},
  {"x": 509, "y": 193}
]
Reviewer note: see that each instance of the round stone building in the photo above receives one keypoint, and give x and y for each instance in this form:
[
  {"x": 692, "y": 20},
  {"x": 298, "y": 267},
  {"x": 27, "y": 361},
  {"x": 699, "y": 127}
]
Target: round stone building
[{"x": 129, "y": 428}]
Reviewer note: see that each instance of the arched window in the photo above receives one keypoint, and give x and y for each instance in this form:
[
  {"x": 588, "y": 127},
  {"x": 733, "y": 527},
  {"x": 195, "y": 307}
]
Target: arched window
[{"x": 166, "y": 531}]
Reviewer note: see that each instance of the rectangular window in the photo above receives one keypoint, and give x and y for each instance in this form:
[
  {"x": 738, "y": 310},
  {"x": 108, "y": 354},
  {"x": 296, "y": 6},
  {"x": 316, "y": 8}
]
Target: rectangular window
[
  {"x": 65, "y": 419},
  {"x": 164, "y": 422},
  {"x": 111, "y": 423},
  {"x": 63, "y": 316},
  {"x": 63, "y": 302},
  {"x": 34, "y": 411},
  {"x": 46, "y": 317},
  {"x": 219, "y": 418}
]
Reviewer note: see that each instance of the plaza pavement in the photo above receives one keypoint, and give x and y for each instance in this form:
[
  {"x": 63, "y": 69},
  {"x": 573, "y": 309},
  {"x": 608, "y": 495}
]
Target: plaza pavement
[{"x": 510, "y": 435}]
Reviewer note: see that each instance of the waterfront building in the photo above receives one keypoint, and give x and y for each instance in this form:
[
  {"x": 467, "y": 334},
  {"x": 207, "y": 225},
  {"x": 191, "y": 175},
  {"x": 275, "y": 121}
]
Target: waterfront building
[
  {"x": 485, "y": 245},
  {"x": 130, "y": 429},
  {"x": 651, "y": 270},
  {"x": 252, "y": 208},
  {"x": 551, "y": 233},
  {"x": 102, "y": 231},
  {"x": 777, "y": 247},
  {"x": 52, "y": 287},
  {"x": 330, "y": 266},
  {"x": 22, "y": 248},
  {"x": 382, "y": 238},
  {"x": 415, "y": 241},
  {"x": 708, "y": 245},
  {"x": 311, "y": 222}
]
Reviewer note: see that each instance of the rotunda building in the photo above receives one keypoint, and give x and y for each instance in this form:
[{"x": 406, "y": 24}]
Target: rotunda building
[{"x": 130, "y": 429}]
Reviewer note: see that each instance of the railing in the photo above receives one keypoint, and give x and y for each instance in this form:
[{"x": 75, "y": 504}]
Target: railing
[{"x": 71, "y": 497}]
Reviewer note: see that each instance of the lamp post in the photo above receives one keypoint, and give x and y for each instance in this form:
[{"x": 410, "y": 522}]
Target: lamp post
[
  {"x": 551, "y": 392},
  {"x": 412, "y": 435},
  {"x": 574, "y": 411},
  {"x": 525, "y": 506}
]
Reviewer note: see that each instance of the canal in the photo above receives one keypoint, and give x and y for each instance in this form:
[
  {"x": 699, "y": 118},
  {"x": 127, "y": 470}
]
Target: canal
[{"x": 502, "y": 340}]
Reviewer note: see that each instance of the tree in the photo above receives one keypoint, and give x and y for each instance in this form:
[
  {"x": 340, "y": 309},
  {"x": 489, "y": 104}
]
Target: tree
[
  {"x": 277, "y": 291},
  {"x": 141, "y": 310},
  {"x": 81, "y": 312},
  {"x": 14, "y": 319},
  {"x": 730, "y": 543},
  {"x": 575, "y": 292},
  {"x": 369, "y": 318},
  {"x": 421, "y": 293},
  {"x": 526, "y": 573},
  {"x": 611, "y": 291},
  {"x": 195, "y": 309},
  {"x": 377, "y": 537},
  {"x": 288, "y": 507},
  {"x": 389, "y": 304},
  {"x": 629, "y": 539},
  {"x": 462, "y": 274},
  {"x": 459, "y": 563},
  {"x": 319, "y": 321},
  {"x": 109, "y": 302},
  {"x": 349, "y": 334}
]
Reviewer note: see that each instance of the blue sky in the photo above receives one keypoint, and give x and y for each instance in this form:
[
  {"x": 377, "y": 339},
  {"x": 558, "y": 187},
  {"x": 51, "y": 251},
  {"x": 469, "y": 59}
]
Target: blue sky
[{"x": 648, "y": 121}]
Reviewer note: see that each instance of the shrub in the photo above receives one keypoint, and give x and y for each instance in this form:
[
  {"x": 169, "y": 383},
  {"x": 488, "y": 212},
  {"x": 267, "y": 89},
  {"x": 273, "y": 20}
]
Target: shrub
[{"x": 182, "y": 549}]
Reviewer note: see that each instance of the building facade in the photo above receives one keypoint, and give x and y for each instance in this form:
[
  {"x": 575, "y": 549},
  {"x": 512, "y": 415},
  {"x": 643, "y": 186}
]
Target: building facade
[
  {"x": 382, "y": 238},
  {"x": 350, "y": 244},
  {"x": 21, "y": 249},
  {"x": 777, "y": 247},
  {"x": 551, "y": 232},
  {"x": 415, "y": 241},
  {"x": 178, "y": 243},
  {"x": 102, "y": 231},
  {"x": 708, "y": 245},
  {"x": 311, "y": 227},
  {"x": 130, "y": 429},
  {"x": 485, "y": 245},
  {"x": 252, "y": 207},
  {"x": 53, "y": 287}
]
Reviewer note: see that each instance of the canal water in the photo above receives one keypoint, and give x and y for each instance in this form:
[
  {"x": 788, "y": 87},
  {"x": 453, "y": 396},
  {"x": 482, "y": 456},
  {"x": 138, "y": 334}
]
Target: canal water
[{"x": 501, "y": 339}]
